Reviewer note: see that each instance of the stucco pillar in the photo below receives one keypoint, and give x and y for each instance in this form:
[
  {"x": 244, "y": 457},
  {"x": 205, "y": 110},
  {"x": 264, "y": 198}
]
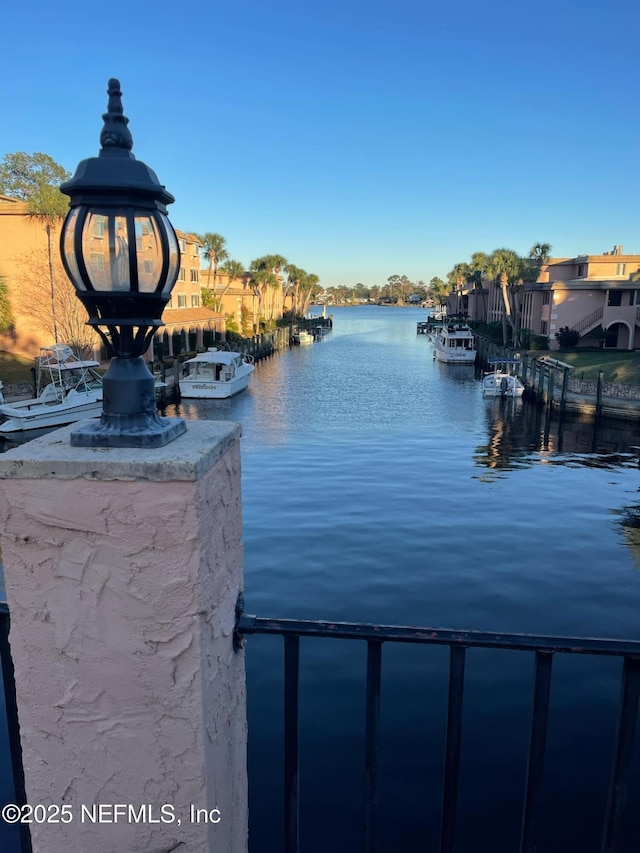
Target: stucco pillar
[{"x": 122, "y": 571}]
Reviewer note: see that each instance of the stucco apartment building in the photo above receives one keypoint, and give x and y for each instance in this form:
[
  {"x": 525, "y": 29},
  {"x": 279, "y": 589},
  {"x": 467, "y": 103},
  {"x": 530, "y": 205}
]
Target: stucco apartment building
[
  {"x": 593, "y": 294},
  {"x": 24, "y": 266}
]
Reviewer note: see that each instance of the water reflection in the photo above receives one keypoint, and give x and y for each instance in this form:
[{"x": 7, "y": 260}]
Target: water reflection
[
  {"x": 521, "y": 434},
  {"x": 628, "y": 524}
]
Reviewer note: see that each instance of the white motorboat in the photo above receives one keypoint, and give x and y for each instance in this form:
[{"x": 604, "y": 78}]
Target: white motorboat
[
  {"x": 67, "y": 390},
  {"x": 216, "y": 374},
  {"x": 303, "y": 337},
  {"x": 455, "y": 344},
  {"x": 502, "y": 381}
]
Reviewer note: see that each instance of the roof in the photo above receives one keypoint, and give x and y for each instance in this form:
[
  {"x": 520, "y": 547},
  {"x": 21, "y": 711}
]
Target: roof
[
  {"x": 188, "y": 236},
  {"x": 214, "y": 356},
  {"x": 184, "y": 316}
]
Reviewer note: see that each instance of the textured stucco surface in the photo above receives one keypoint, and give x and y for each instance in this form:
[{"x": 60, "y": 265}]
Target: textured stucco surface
[{"x": 122, "y": 596}]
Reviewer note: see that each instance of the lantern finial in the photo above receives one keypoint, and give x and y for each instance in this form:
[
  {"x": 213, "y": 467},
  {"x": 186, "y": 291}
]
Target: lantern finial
[{"x": 115, "y": 133}]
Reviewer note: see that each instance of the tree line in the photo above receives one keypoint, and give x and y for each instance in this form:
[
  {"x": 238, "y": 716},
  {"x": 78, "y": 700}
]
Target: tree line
[
  {"x": 263, "y": 277},
  {"x": 502, "y": 268}
]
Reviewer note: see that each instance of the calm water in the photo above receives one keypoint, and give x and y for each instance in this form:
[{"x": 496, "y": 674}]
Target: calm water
[{"x": 378, "y": 485}]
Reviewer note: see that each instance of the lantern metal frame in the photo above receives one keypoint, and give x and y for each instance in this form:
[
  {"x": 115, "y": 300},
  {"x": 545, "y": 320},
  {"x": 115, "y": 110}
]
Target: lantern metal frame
[{"x": 117, "y": 186}]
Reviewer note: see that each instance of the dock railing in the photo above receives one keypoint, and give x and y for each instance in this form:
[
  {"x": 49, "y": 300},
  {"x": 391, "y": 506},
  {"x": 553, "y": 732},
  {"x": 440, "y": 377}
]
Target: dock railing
[{"x": 543, "y": 649}]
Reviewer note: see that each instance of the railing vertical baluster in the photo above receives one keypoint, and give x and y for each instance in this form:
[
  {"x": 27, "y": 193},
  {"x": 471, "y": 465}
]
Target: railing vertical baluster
[
  {"x": 628, "y": 713},
  {"x": 537, "y": 744},
  {"x": 13, "y": 727},
  {"x": 452, "y": 749},
  {"x": 291, "y": 740},
  {"x": 372, "y": 731}
]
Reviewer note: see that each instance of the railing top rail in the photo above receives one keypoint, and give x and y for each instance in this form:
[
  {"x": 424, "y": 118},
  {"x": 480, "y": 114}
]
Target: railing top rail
[{"x": 248, "y": 624}]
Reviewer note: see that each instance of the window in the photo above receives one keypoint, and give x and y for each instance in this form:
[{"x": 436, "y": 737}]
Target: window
[
  {"x": 194, "y": 275},
  {"x": 148, "y": 267},
  {"x": 98, "y": 225},
  {"x": 545, "y": 297},
  {"x": 582, "y": 270},
  {"x": 621, "y": 269},
  {"x": 181, "y": 274},
  {"x": 183, "y": 245},
  {"x": 543, "y": 327},
  {"x": 615, "y": 298},
  {"x": 182, "y": 300},
  {"x": 195, "y": 301},
  {"x": 97, "y": 261}
]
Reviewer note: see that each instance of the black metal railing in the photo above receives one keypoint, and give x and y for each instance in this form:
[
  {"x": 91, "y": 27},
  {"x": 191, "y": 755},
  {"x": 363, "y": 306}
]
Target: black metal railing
[
  {"x": 544, "y": 649},
  {"x": 13, "y": 728}
]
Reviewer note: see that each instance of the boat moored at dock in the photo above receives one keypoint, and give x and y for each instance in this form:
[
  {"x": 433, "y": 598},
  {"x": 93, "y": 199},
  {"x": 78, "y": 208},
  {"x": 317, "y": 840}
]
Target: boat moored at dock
[
  {"x": 216, "y": 374},
  {"x": 455, "y": 343},
  {"x": 68, "y": 389},
  {"x": 502, "y": 381}
]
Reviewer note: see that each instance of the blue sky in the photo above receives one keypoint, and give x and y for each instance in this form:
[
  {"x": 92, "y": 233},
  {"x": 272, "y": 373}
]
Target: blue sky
[{"x": 357, "y": 139}]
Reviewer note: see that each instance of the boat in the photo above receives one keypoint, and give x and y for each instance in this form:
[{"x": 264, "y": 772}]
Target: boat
[
  {"x": 216, "y": 374},
  {"x": 68, "y": 389},
  {"x": 502, "y": 381},
  {"x": 455, "y": 344},
  {"x": 432, "y": 325},
  {"x": 303, "y": 337}
]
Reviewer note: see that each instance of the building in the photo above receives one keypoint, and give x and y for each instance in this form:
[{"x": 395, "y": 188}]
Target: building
[
  {"x": 594, "y": 294},
  {"x": 249, "y": 307},
  {"x": 597, "y": 295},
  {"x": 188, "y": 324},
  {"x": 43, "y": 301}
]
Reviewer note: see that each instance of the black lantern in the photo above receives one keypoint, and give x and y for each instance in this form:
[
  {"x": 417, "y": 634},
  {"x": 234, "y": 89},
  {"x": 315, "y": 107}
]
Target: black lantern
[{"x": 121, "y": 253}]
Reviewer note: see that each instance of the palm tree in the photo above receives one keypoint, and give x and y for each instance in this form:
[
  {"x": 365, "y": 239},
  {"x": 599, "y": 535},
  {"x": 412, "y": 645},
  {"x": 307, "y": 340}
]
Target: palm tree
[
  {"x": 233, "y": 270},
  {"x": 214, "y": 251},
  {"x": 295, "y": 276},
  {"x": 505, "y": 268},
  {"x": 262, "y": 278},
  {"x": 540, "y": 253},
  {"x": 309, "y": 288},
  {"x": 477, "y": 274},
  {"x": 271, "y": 266}
]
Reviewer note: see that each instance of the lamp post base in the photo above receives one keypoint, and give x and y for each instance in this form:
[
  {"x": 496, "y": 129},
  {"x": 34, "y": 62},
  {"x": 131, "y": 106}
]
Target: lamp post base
[
  {"x": 143, "y": 430},
  {"x": 130, "y": 417}
]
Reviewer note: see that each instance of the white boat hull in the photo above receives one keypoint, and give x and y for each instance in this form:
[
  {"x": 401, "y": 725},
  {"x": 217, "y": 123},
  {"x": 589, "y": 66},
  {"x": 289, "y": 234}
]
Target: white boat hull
[
  {"x": 451, "y": 356},
  {"x": 214, "y": 390},
  {"x": 493, "y": 386},
  {"x": 32, "y": 414}
]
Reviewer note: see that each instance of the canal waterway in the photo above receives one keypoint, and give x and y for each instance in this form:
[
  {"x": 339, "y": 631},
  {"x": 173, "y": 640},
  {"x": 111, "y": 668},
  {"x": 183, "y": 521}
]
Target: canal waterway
[{"x": 379, "y": 486}]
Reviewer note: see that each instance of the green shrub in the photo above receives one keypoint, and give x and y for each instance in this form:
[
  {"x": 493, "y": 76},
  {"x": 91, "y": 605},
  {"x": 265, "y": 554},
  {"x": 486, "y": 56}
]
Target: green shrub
[
  {"x": 538, "y": 342},
  {"x": 567, "y": 338}
]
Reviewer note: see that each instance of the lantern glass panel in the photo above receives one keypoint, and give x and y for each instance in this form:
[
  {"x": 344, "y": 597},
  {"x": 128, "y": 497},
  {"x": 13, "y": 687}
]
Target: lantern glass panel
[
  {"x": 105, "y": 249},
  {"x": 174, "y": 255},
  {"x": 148, "y": 253},
  {"x": 70, "y": 226}
]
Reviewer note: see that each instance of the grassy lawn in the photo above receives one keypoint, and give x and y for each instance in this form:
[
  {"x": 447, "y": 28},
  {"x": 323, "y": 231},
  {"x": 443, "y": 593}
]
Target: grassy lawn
[
  {"x": 617, "y": 366},
  {"x": 15, "y": 369}
]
